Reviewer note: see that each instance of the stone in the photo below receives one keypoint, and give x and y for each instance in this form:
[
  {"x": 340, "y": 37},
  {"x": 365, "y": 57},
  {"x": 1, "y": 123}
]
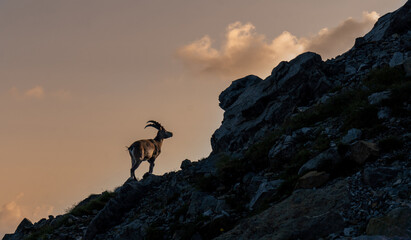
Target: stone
[
  {"x": 312, "y": 179},
  {"x": 350, "y": 70},
  {"x": 348, "y": 232},
  {"x": 363, "y": 151},
  {"x": 201, "y": 202},
  {"x": 24, "y": 224},
  {"x": 384, "y": 113},
  {"x": 378, "y": 97},
  {"x": 265, "y": 191},
  {"x": 237, "y": 87},
  {"x": 397, "y": 59},
  {"x": 282, "y": 150},
  {"x": 352, "y": 135},
  {"x": 185, "y": 164},
  {"x": 325, "y": 161},
  {"x": 397, "y": 223}
]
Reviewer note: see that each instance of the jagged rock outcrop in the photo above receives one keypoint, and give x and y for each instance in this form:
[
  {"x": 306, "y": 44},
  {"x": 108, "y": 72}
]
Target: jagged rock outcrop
[
  {"x": 319, "y": 149},
  {"x": 252, "y": 109}
]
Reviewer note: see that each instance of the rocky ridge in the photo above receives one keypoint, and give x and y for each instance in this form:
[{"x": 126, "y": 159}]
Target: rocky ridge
[{"x": 317, "y": 150}]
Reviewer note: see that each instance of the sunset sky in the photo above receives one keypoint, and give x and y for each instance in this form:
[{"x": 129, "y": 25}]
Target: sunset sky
[{"x": 80, "y": 79}]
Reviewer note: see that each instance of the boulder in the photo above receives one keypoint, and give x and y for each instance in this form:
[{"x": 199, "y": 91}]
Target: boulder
[
  {"x": 378, "y": 97},
  {"x": 363, "y": 151},
  {"x": 397, "y": 223},
  {"x": 186, "y": 164},
  {"x": 237, "y": 87},
  {"x": 200, "y": 203},
  {"x": 265, "y": 191},
  {"x": 397, "y": 59},
  {"x": 312, "y": 179},
  {"x": 282, "y": 150},
  {"x": 352, "y": 135},
  {"x": 325, "y": 161}
]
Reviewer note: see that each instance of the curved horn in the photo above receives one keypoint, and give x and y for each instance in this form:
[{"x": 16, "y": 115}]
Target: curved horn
[{"x": 154, "y": 124}]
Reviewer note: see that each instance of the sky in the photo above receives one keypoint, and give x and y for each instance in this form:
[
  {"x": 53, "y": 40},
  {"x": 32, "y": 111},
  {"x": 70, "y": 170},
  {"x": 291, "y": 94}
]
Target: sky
[{"x": 80, "y": 79}]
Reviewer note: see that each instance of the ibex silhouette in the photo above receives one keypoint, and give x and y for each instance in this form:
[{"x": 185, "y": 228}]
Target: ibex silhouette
[{"x": 147, "y": 149}]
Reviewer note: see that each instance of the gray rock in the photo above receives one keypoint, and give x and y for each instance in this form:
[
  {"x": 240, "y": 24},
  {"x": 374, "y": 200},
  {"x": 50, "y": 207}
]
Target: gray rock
[
  {"x": 396, "y": 223},
  {"x": 363, "y": 151},
  {"x": 186, "y": 164},
  {"x": 282, "y": 150},
  {"x": 325, "y": 161},
  {"x": 237, "y": 87},
  {"x": 265, "y": 191},
  {"x": 201, "y": 202},
  {"x": 254, "y": 184},
  {"x": 376, "y": 98},
  {"x": 397, "y": 59},
  {"x": 384, "y": 113},
  {"x": 352, "y": 135},
  {"x": 312, "y": 179},
  {"x": 350, "y": 70}
]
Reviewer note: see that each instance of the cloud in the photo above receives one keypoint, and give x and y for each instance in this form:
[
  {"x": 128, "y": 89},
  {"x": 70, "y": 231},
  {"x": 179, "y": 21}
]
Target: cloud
[
  {"x": 36, "y": 92},
  {"x": 244, "y": 51},
  {"x": 331, "y": 42},
  {"x": 10, "y": 215},
  {"x": 13, "y": 212}
]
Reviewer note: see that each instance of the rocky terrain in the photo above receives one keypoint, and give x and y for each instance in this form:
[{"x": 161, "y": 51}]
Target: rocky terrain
[{"x": 317, "y": 150}]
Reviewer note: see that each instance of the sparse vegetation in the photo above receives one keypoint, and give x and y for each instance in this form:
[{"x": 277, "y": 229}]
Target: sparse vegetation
[
  {"x": 384, "y": 78},
  {"x": 95, "y": 204},
  {"x": 42, "y": 232}
]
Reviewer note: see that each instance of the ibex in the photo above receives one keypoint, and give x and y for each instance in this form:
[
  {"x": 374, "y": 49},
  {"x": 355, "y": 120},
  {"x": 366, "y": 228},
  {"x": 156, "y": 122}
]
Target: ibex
[{"x": 147, "y": 149}]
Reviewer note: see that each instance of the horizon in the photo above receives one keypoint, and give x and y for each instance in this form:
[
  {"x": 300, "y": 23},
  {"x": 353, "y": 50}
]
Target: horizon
[{"x": 80, "y": 81}]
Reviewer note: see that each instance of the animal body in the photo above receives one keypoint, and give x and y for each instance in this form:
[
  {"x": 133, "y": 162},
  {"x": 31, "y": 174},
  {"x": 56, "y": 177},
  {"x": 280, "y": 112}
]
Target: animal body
[{"x": 147, "y": 149}]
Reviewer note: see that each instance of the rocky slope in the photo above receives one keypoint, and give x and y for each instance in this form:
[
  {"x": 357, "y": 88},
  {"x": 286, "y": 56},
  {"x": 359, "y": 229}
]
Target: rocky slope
[{"x": 317, "y": 150}]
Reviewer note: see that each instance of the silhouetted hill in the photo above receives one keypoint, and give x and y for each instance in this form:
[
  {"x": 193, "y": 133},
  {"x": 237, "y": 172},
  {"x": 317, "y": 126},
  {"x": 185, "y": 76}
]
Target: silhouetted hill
[{"x": 318, "y": 149}]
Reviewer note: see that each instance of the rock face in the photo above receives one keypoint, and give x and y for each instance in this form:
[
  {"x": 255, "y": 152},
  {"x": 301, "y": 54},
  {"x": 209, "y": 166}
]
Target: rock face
[
  {"x": 253, "y": 109},
  {"x": 299, "y": 216},
  {"x": 317, "y": 150}
]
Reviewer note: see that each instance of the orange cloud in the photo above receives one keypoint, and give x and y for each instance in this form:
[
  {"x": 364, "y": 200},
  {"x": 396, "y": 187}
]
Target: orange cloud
[
  {"x": 244, "y": 51},
  {"x": 13, "y": 212},
  {"x": 331, "y": 42},
  {"x": 10, "y": 216},
  {"x": 36, "y": 92}
]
